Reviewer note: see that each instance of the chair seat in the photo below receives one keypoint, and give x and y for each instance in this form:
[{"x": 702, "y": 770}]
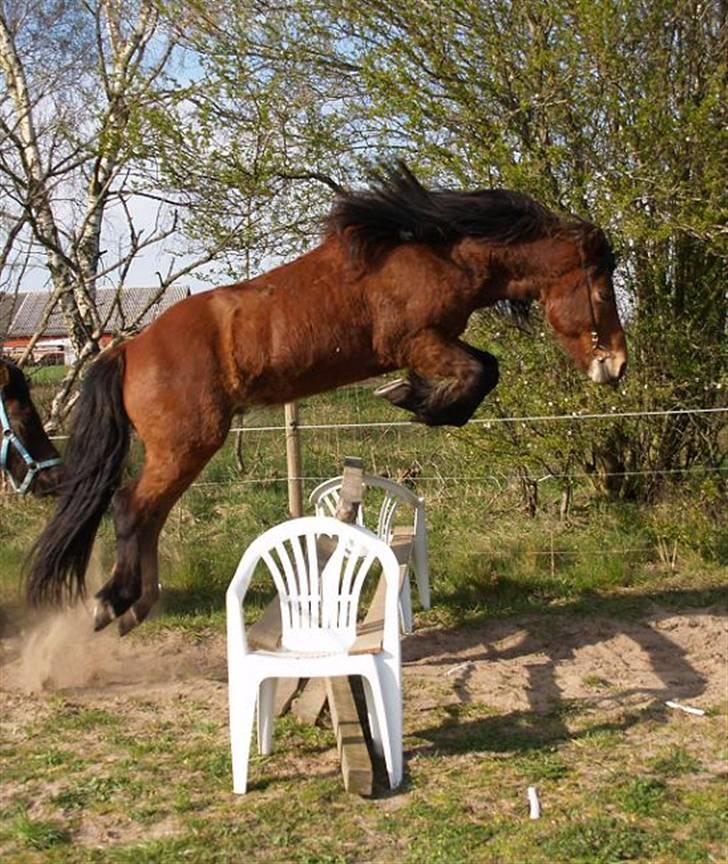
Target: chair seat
[{"x": 317, "y": 643}]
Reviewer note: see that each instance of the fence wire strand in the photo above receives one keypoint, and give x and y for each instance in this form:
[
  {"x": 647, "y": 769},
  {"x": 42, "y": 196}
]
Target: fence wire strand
[{"x": 480, "y": 421}]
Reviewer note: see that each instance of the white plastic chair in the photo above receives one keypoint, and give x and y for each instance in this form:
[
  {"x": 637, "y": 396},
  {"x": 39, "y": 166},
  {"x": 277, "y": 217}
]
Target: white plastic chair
[
  {"x": 318, "y": 608},
  {"x": 325, "y": 498}
]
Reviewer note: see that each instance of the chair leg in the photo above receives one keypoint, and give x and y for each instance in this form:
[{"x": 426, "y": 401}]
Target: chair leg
[
  {"x": 422, "y": 566},
  {"x": 242, "y": 713},
  {"x": 390, "y": 677},
  {"x": 405, "y": 603},
  {"x": 387, "y": 699},
  {"x": 266, "y": 719},
  {"x": 422, "y": 574},
  {"x": 372, "y": 717}
]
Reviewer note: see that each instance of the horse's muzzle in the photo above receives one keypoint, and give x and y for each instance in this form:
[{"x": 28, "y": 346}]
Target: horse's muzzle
[{"x": 607, "y": 368}]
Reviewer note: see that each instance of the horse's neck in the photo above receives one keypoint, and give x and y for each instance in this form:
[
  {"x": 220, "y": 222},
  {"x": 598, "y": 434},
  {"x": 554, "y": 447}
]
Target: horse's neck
[{"x": 521, "y": 271}]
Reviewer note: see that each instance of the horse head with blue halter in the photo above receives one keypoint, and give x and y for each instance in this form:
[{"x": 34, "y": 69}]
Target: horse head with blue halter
[{"x": 27, "y": 455}]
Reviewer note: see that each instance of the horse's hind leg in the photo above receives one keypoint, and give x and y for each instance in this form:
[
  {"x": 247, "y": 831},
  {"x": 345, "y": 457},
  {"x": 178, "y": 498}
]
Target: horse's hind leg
[
  {"x": 148, "y": 538},
  {"x": 124, "y": 586},
  {"x": 140, "y": 511},
  {"x": 446, "y": 381}
]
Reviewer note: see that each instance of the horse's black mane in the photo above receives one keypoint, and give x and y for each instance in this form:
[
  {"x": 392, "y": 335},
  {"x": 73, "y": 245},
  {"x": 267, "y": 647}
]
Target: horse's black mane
[{"x": 398, "y": 209}]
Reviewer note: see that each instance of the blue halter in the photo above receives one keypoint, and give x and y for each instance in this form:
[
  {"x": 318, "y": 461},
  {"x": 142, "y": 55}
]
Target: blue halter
[{"x": 10, "y": 438}]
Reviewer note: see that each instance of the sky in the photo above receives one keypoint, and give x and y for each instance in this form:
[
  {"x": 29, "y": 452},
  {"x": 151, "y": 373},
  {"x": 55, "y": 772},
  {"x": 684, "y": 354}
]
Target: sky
[{"x": 145, "y": 267}]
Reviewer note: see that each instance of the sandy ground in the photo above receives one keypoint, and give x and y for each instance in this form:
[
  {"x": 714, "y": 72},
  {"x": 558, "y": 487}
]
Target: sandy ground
[
  {"x": 528, "y": 664},
  {"x": 518, "y": 668}
]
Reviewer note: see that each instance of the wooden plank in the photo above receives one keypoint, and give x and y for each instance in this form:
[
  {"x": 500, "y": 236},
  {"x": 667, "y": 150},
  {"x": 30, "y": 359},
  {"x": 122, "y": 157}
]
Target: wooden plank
[
  {"x": 356, "y": 765},
  {"x": 352, "y": 490},
  {"x": 402, "y": 544},
  {"x": 265, "y": 634},
  {"x": 370, "y": 632},
  {"x": 286, "y": 690},
  {"x": 309, "y": 704}
]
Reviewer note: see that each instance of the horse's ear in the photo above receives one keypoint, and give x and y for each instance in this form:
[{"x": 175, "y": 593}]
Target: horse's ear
[
  {"x": 595, "y": 245},
  {"x": 4, "y": 376}
]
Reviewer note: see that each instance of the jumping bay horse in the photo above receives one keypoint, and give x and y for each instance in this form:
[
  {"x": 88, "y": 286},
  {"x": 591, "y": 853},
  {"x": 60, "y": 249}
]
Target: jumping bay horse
[
  {"x": 391, "y": 286},
  {"x": 27, "y": 455}
]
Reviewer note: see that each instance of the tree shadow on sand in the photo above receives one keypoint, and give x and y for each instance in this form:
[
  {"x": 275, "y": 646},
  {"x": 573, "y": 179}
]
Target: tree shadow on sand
[{"x": 541, "y": 643}]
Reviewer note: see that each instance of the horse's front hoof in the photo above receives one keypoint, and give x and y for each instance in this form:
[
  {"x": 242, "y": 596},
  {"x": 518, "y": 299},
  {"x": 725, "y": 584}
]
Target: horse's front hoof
[
  {"x": 397, "y": 392},
  {"x": 128, "y": 621},
  {"x": 103, "y": 615}
]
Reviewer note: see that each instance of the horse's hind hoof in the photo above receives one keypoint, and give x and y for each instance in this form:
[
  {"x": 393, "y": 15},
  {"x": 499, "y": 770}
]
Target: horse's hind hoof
[
  {"x": 128, "y": 621},
  {"x": 103, "y": 615}
]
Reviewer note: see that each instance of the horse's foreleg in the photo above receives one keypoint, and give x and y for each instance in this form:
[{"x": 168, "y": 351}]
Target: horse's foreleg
[{"x": 446, "y": 381}]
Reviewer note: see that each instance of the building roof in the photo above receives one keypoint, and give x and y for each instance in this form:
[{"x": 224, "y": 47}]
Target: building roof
[
  {"x": 26, "y": 312},
  {"x": 9, "y": 303}
]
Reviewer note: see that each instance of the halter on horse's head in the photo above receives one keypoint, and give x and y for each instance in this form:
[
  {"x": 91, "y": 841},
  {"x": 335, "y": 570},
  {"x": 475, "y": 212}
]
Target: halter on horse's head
[{"x": 27, "y": 455}]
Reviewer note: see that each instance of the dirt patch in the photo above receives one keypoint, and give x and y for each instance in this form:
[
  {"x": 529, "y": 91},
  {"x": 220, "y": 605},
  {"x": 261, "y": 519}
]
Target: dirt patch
[
  {"x": 529, "y": 664},
  {"x": 533, "y": 664},
  {"x": 138, "y": 712},
  {"x": 61, "y": 652}
]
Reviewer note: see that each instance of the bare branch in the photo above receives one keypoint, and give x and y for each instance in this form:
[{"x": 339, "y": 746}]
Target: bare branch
[{"x": 312, "y": 175}]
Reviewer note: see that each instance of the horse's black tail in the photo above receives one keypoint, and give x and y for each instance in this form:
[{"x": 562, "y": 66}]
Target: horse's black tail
[{"x": 94, "y": 459}]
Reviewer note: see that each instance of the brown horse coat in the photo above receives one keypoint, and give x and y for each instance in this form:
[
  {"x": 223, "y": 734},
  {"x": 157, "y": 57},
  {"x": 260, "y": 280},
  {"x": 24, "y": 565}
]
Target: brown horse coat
[{"x": 391, "y": 287}]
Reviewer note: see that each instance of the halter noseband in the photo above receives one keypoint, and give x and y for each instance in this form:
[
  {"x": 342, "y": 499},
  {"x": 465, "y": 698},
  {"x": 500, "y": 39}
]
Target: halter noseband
[{"x": 9, "y": 438}]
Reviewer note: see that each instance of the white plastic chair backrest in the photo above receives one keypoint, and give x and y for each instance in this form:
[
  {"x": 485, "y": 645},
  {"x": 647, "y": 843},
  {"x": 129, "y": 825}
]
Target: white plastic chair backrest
[
  {"x": 318, "y": 604},
  {"x": 325, "y": 498}
]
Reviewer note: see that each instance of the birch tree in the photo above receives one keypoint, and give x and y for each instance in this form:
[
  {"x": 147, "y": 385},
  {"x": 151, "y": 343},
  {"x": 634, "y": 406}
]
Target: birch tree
[{"x": 82, "y": 85}]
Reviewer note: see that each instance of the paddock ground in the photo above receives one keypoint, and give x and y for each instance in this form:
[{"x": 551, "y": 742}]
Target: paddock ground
[{"x": 118, "y": 750}]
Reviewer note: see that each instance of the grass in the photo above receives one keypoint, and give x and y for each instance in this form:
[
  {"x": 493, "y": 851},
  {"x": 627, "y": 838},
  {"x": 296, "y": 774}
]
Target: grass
[
  {"x": 157, "y": 790},
  {"x": 38, "y": 835},
  {"x": 117, "y": 776}
]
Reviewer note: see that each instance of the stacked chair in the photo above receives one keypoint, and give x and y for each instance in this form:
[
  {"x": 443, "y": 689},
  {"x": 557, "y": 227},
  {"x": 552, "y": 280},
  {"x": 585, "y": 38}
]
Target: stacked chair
[{"x": 319, "y": 565}]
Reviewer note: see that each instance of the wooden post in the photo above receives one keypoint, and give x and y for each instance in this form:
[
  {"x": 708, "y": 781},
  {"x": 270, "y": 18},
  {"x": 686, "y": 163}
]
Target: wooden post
[
  {"x": 352, "y": 490},
  {"x": 293, "y": 461},
  {"x": 356, "y": 765}
]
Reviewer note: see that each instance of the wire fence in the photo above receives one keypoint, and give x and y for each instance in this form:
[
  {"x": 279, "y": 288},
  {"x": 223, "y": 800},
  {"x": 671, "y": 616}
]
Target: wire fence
[
  {"x": 484, "y": 421},
  {"x": 325, "y": 444},
  {"x": 432, "y": 461},
  {"x": 480, "y": 421},
  {"x": 376, "y": 436},
  {"x": 480, "y": 478}
]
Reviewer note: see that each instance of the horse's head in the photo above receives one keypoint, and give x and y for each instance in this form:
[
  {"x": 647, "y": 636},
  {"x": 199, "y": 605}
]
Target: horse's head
[
  {"x": 581, "y": 307},
  {"x": 26, "y": 453}
]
